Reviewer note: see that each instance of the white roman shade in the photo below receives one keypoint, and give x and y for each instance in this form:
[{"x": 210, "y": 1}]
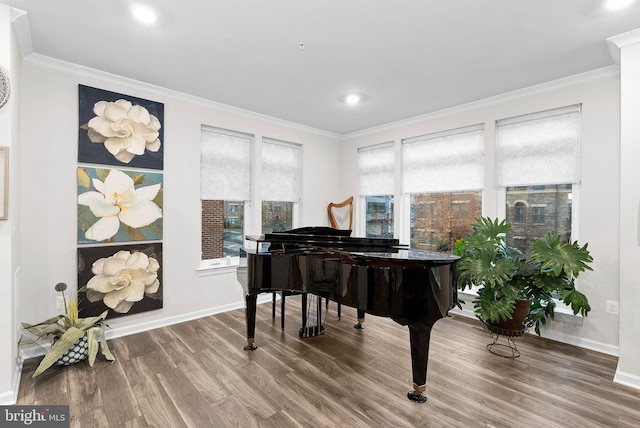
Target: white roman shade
[
  {"x": 376, "y": 170},
  {"x": 538, "y": 149},
  {"x": 281, "y": 170},
  {"x": 225, "y": 165},
  {"x": 448, "y": 161}
]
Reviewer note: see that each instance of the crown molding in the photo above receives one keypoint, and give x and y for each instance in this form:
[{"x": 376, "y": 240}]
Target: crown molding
[
  {"x": 22, "y": 30},
  {"x": 79, "y": 70},
  {"x": 600, "y": 73},
  {"x": 56, "y": 64},
  {"x": 616, "y": 43}
]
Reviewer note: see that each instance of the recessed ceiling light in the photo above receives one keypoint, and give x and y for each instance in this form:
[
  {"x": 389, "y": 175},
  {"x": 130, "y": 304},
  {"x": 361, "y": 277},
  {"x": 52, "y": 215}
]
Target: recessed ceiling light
[
  {"x": 352, "y": 99},
  {"x": 618, "y": 4},
  {"x": 143, "y": 13}
]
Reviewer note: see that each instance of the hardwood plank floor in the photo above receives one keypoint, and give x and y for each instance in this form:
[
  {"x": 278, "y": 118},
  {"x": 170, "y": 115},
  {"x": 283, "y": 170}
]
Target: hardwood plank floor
[{"x": 196, "y": 374}]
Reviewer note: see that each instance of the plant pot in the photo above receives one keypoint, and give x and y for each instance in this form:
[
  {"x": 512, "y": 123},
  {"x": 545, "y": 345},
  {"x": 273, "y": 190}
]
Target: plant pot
[
  {"x": 78, "y": 352},
  {"x": 516, "y": 323}
]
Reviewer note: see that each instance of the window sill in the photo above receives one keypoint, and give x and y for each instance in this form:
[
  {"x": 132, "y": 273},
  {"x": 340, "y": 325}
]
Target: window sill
[
  {"x": 216, "y": 267},
  {"x": 561, "y": 312},
  {"x": 564, "y": 313}
]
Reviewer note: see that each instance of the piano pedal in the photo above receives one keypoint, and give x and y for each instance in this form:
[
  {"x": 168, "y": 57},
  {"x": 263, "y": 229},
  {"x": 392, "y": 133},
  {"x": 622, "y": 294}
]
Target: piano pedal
[{"x": 310, "y": 331}]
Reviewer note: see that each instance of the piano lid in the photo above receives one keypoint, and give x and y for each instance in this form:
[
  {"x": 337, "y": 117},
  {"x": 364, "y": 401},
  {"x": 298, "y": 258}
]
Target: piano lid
[
  {"x": 324, "y": 237},
  {"x": 326, "y": 241},
  {"x": 408, "y": 255}
]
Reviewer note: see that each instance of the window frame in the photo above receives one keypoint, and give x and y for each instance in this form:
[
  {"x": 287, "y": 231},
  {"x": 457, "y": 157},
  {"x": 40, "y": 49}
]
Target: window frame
[
  {"x": 365, "y": 183},
  {"x": 478, "y": 130},
  {"x": 501, "y": 188},
  {"x": 226, "y": 264},
  {"x": 365, "y": 211},
  {"x": 295, "y": 220}
]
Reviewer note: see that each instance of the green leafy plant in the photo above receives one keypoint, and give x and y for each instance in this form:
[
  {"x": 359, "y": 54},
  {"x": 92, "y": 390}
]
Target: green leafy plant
[
  {"x": 504, "y": 275},
  {"x": 67, "y": 329}
]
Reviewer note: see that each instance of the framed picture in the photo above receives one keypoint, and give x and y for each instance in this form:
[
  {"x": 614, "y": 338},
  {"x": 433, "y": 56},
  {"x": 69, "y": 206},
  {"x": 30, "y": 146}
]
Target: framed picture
[
  {"x": 119, "y": 205},
  {"x": 123, "y": 279},
  {"x": 4, "y": 183},
  {"x": 120, "y": 130}
]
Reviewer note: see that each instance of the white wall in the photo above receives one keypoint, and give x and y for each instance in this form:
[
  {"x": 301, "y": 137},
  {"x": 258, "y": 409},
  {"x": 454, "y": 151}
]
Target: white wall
[
  {"x": 599, "y": 94},
  {"x": 9, "y": 241},
  {"x": 48, "y": 173}
]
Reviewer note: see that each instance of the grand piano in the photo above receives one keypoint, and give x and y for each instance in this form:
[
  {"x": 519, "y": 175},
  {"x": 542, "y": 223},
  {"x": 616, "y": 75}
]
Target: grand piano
[{"x": 375, "y": 275}]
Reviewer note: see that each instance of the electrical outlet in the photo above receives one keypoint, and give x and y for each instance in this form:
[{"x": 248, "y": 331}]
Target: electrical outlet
[
  {"x": 60, "y": 303},
  {"x": 612, "y": 307}
]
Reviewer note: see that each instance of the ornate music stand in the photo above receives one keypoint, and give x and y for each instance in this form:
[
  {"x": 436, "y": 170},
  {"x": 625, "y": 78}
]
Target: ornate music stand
[
  {"x": 341, "y": 214},
  {"x": 341, "y": 217}
]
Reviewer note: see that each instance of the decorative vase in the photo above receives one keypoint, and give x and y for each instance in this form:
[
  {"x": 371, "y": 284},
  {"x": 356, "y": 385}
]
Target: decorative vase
[{"x": 78, "y": 352}]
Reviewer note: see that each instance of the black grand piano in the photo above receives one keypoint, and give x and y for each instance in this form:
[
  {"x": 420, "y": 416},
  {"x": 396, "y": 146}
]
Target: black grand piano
[{"x": 375, "y": 275}]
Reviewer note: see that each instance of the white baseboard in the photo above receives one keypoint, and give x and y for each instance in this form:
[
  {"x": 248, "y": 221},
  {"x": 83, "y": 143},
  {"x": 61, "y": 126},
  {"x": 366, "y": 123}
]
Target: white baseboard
[
  {"x": 121, "y": 331},
  {"x": 580, "y": 342},
  {"x": 627, "y": 379},
  {"x": 10, "y": 398}
]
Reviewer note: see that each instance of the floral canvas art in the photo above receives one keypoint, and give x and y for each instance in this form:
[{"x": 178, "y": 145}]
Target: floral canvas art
[
  {"x": 123, "y": 279},
  {"x": 120, "y": 130},
  {"x": 116, "y": 205}
]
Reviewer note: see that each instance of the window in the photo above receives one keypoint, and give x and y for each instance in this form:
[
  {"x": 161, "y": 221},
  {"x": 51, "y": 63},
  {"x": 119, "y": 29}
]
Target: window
[
  {"x": 443, "y": 175},
  {"x": 281, "y": 176},
  {"x": 376, "y": 173},
  {"x": 225, "y": 177},
  {"x": 538, "y": 215},
  {"x": 277, "y": 216},
  {"x": 439, "y": 219},
  {"x": 537, "y": 165},
  {"x": 379, "y": 216},
  {"x": 519, "y": 211},
  {"x": 550, "y": 211}
]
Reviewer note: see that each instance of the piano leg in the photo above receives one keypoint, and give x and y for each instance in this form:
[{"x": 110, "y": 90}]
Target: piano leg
[
  {"x": 250, "y": 316},
  {"x": 360, "y": 324},
  {"x": 419, "y": 355},
  {"x": 304, "y": 309}
]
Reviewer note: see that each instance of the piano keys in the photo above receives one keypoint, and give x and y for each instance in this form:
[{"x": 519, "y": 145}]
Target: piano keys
[{"x": 374, "y": 275}]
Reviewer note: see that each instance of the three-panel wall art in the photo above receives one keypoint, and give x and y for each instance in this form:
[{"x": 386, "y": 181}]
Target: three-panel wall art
[{"x": 119, "y": 197}]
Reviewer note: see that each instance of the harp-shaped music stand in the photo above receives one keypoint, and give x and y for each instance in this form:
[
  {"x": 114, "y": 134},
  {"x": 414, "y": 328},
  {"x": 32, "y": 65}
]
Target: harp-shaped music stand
[
  {"x": 341, "y": 214},
  {"x": 341, "y": 217}
]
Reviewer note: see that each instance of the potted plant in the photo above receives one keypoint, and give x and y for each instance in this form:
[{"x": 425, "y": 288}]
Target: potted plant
[
  {"x": 507, "y": 279},
  {"x": 68, "y": 331}
]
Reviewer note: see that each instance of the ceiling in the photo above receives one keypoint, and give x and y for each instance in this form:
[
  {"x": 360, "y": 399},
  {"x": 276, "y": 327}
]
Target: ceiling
[{"x": 406, "y": 57}]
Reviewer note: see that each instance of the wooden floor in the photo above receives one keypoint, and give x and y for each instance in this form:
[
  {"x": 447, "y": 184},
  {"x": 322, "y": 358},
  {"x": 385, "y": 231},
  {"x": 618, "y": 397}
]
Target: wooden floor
[{"x": 196, "y": 374}]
